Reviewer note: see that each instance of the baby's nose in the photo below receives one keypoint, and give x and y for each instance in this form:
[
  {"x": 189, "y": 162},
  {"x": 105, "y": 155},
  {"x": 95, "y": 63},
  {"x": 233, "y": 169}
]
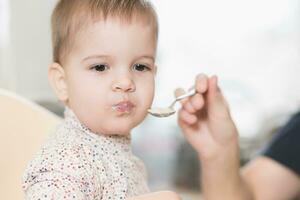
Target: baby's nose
[{"x": 124, "y": 84}]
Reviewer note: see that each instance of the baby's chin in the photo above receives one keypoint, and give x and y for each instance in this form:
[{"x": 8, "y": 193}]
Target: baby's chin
[
  {"x": 119, "y": 125},
  {"x": 116, "y": 129}
]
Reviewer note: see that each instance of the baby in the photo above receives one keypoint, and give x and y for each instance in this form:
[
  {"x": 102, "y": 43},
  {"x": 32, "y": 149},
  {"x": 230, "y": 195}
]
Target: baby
[{"x": 103, "y": 71}]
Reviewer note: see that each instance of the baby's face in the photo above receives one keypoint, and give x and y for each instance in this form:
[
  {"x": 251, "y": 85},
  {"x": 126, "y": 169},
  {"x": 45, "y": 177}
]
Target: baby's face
[{"x": 110, "y": 75}]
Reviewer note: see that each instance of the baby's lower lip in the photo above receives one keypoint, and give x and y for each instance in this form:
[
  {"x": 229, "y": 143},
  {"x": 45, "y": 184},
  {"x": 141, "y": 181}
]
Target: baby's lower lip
[{"x": 123, "y": 107}]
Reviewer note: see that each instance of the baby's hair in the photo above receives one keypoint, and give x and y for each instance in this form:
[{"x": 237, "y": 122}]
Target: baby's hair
[{"x": 71, "y": 16}]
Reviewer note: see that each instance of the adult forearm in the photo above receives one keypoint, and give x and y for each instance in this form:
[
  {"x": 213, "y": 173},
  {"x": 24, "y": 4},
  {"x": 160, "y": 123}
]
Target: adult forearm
[{"x": 221, "y": 179}]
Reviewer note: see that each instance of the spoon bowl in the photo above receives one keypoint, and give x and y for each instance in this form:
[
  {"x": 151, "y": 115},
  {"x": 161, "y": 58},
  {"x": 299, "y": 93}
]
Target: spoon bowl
[
  {"x": 161, "y": 112},
  {"x": 168, "y": 111}
]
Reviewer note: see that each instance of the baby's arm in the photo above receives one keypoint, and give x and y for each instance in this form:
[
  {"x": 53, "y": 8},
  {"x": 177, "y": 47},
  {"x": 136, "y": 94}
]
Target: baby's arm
[
  {"x": 206, "y": 123},
  {"x": 162, "y": 195}
]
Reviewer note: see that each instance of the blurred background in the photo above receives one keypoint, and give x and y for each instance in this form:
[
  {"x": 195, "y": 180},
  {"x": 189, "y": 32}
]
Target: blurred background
[{"x": 253, "y": 46}]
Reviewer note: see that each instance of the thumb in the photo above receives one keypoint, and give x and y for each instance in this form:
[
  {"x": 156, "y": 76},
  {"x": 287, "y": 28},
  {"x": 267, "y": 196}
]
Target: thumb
[
  {"x": 217, "y": 105},
  {"x": 178, "y": 92}
]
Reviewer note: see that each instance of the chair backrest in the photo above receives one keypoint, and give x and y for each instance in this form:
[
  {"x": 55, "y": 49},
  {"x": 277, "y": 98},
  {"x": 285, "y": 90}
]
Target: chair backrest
[{"x": 23, "y": 127}]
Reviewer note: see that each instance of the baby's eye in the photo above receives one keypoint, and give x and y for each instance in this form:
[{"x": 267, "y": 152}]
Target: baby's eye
[
  {"x": 141, "y": 67},
  {"x": 100, "y": 67}
]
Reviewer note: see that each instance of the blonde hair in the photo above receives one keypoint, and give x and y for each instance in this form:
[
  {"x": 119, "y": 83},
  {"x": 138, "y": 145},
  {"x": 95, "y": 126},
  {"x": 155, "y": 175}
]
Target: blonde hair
[{"x": 71, "y": 16}]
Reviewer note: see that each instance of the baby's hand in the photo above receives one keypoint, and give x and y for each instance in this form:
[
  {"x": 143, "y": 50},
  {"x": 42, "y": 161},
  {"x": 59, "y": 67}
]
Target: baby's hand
[{"x": 205, "y": 119}]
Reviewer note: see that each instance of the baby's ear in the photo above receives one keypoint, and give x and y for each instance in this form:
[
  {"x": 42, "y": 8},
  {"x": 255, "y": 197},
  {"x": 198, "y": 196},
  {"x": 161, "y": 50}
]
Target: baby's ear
[{"x": 57, "y": 79}]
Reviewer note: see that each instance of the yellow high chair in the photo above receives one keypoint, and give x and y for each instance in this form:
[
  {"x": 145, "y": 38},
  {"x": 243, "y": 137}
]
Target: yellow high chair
[{"x": 23, "y": 127}]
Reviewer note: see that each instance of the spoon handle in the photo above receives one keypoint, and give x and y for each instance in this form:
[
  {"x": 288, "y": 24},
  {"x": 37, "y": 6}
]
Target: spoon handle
[{"x": 189, "y": 93}]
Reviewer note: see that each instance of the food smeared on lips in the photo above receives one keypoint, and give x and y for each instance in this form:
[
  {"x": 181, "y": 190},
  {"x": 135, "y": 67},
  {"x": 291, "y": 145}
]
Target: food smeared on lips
[{"x": 125, "y": 106}]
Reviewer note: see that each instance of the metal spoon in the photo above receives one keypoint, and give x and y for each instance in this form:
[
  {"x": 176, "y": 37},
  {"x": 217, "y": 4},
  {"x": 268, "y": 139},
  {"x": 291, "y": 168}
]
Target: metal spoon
[{"x": 166, "y": 112}]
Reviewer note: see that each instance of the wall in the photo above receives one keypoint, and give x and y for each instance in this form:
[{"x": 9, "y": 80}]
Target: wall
[{"x": 27, "y": 52}]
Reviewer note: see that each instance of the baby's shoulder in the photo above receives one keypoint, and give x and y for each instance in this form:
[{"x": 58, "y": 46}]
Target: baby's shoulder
[
  {"x": 63, "y": 157},
  {"x": 65, "y": 150}
]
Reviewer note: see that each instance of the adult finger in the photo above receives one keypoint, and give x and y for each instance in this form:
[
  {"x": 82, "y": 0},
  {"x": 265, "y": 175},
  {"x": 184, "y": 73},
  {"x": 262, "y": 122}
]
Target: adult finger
[
  {"x": 186, "y": 118},
  {"x": 217, "y": 106},
  {"x": 201, "y": 83},
  {"x": 178, "y": 92},
  {"x": 197, "y": 101}
]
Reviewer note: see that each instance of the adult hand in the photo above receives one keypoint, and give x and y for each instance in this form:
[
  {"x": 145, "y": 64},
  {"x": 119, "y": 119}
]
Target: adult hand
[{"x": 205, "y": 119}]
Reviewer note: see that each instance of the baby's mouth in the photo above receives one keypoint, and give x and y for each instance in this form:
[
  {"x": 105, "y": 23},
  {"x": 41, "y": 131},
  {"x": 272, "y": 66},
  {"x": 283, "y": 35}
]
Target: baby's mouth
[{"x": 123, "y": 107}]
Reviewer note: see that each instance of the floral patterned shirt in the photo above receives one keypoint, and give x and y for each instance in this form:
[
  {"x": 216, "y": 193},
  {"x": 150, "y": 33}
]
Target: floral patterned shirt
[{"x": 75, "y": 163}]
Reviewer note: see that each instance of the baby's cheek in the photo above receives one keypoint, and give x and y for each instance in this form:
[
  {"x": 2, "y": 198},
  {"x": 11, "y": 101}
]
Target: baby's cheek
[
  {"x": 140, "y": 114},
  {"x": 147, "y": 99}
]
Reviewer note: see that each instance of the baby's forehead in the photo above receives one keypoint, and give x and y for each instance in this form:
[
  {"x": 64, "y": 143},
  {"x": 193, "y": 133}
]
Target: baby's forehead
[
  {"x": 114, "y": 22},
  {"x": 99, "y": 37},
  {"x": 92, "y": 27},
  {"x": 134, "y": 20}
]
